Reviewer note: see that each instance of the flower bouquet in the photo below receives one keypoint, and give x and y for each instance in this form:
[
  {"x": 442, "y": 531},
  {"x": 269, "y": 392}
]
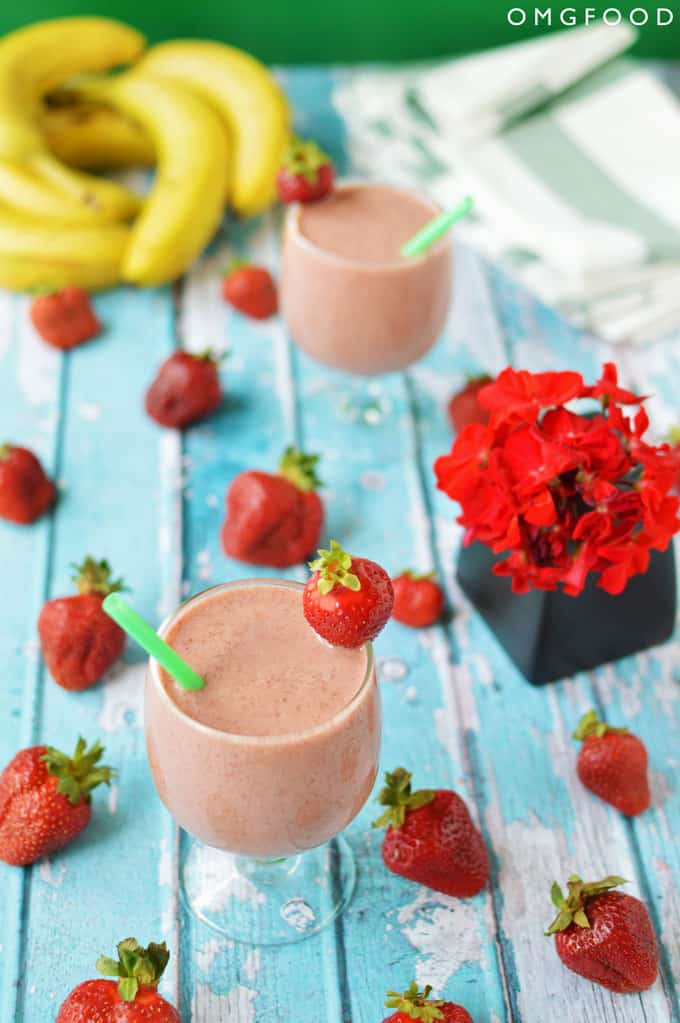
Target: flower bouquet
[{"x": 569, "y": 515}]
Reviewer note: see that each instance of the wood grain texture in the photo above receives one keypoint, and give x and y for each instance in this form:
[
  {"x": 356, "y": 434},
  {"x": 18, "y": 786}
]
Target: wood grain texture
[{"x": 456, "y": 712}]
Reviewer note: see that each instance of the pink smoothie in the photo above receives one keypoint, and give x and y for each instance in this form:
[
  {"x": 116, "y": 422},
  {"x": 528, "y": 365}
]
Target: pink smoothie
[
  {"x": 348, "y": 297},
  {"x": 279, "y": 751}
]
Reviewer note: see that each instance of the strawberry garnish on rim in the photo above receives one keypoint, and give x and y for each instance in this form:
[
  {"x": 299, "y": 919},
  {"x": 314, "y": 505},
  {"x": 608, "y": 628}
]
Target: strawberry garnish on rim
[
  {"x": 347, "y": 600},
  {"x": 306, "y": 172}
]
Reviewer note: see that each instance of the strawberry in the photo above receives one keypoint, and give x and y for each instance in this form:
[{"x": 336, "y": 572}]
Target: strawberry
[
  {"x": 45, "y": 800},
  {"x": 418, "y": 599},
  {"x": 612, "y": 763},
  {"x": 186, "y": 388},
  {"x": 26, "y": 492},
  {"x": 416, "y": 1004},
  {"x": 274, "y": 519},
  {"x": 65, "y": 318},
  {"x": 251, "y": 290},
  {"x": 79, "y": 641},
  {"x": 347, "y": 608},
  {"x": 305, "y": 174},
  {"x": 131, "y": 998},
  {"x": 431, "y": 838},
  {"x": 605, "y": 936},
  {"x": 464, "y": 407}
]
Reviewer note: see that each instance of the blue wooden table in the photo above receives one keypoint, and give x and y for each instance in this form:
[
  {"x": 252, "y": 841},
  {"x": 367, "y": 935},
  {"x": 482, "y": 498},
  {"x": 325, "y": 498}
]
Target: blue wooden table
[{"x": 456, "y": 711}]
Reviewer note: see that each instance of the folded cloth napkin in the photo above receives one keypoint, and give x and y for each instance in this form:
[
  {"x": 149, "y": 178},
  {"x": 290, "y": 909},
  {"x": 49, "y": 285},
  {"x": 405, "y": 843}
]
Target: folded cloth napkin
[{"x": 573, "y": 158}]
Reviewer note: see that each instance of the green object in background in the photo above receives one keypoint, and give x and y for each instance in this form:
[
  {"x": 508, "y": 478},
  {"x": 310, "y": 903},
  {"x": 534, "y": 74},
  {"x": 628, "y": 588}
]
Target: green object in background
[{"x": 308, "y": 32}]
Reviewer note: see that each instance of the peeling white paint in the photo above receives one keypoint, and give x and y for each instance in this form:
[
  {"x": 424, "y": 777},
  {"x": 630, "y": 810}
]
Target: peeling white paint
[
  {"x": 251, "y": 964},
  {"x": 165, "y": 864},
  {"x": 445, "y": 933},
  {"x": 90, "y": 411},
  {"x": 206, "y": 954},
  {"x": 237, "y": 1006},
  {"x": 37, "y": 362},
  {"x": 52, "y": 876},
  {"x": 123, "y": 697}
]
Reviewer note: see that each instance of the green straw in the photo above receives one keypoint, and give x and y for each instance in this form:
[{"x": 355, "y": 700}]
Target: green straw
[
  {"x": 149, "y": 640},
  {"x": 436, "y": 228}
]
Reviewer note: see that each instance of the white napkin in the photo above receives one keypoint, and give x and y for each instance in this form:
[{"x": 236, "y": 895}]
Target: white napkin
[{"x": 578, "y": 195}]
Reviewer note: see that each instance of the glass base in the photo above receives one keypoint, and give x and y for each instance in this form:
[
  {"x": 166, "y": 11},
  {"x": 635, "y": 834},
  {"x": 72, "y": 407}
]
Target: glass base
[
  {"x": 363, "y": 402},
  {"x": 267, "y": 902}
]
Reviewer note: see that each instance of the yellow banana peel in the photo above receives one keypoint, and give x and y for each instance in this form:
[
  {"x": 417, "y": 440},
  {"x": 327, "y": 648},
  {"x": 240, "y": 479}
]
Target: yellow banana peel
[
  {"x": 36, "y": 255},
  {"x": 91, "y": 135},
  {"x": 249, "y": 100},
  {"x": 33, "y": 61},
  {"x": 184, "y": 207}
]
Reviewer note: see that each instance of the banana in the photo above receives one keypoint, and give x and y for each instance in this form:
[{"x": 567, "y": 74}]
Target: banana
[
  {"x": 93, "y": 135},
  {"x": 249, "y": 100},
  {"x": 34, "y": 255},
  {"x": 33, "y": 61},
  {"x": 184, "y": 207},
  {"x": 25, "y": 192}
]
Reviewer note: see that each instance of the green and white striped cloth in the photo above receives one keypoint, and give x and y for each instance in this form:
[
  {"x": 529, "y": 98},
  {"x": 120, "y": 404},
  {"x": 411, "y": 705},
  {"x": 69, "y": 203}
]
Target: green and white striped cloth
[{"x": 572, "y": 154}]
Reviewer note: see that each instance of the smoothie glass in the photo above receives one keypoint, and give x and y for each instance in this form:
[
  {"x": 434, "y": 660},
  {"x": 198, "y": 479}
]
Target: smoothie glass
[
  {"x": 263, "y": 861},
  {"x": 352, "y": 306}
]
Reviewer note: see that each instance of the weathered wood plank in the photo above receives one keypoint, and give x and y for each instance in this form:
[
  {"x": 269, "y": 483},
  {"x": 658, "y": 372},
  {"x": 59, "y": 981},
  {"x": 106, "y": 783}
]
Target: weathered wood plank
[
  {"x": 106, "y": 885},
  {"x": 29, "y": 415}
]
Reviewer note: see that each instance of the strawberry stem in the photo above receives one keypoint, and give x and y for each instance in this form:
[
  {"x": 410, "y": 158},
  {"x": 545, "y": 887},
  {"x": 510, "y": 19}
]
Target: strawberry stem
[
  {"x": 590, "y": 725},
  {"x": 415, "y": 1003},
  {"x": 417, "y": 577},
  {"x": 5, "y": 450},
  {"x": 304, "y": 158},
  {"x": 95, "y": 577},
  {"x": 572, "y": 909},
  {"x": 135, "y": 966},
  {"x": 234, "y": 265},
  {"x": 333, "y": 567},
  {"x": 398, "y": 798},
  {"x": 300, "y": 469},
  {"x": 80, "y": 774}
]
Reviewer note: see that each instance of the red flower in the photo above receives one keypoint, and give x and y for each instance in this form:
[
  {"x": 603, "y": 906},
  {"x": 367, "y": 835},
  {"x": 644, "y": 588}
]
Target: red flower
[
  {"x": 607, "y": 387},
  {"x": 563, "y": 494},
  {"x": 517, "y": 396}
]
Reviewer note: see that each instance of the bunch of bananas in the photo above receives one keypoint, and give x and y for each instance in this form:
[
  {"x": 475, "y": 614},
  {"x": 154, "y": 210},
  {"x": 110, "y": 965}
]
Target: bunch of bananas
[{"x": 209, "y": 117}]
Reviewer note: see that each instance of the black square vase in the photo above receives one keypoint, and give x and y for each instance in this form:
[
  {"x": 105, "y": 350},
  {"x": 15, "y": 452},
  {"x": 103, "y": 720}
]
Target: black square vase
[{"x": 551, "y": 636}]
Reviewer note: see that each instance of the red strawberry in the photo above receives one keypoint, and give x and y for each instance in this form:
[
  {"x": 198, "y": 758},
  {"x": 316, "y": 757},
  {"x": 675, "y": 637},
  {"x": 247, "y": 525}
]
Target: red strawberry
[
  {"x": 605, "y": 936},
  {"x": 306, "y": 173},
  {"x": 131, "y": 998},
  {"x": 612, "y": 763},
  {"x": 79, "y": 641},
  {"x": 187, "y": 387},
  {"x": 45, "y": 800},
  {"x": 274, "y": 519},
  {"x": 416, "y": 1004},
  {"x": 251, "y": 290},
  {"x": 431, "y": 838},
  {"x": 65, "y": 318},
  {"x": 418, "y": 599},
  {"x": 464, "y": 407},
  {"x": 26, "y": 492},
  {"x": 347, "y": 608}
]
